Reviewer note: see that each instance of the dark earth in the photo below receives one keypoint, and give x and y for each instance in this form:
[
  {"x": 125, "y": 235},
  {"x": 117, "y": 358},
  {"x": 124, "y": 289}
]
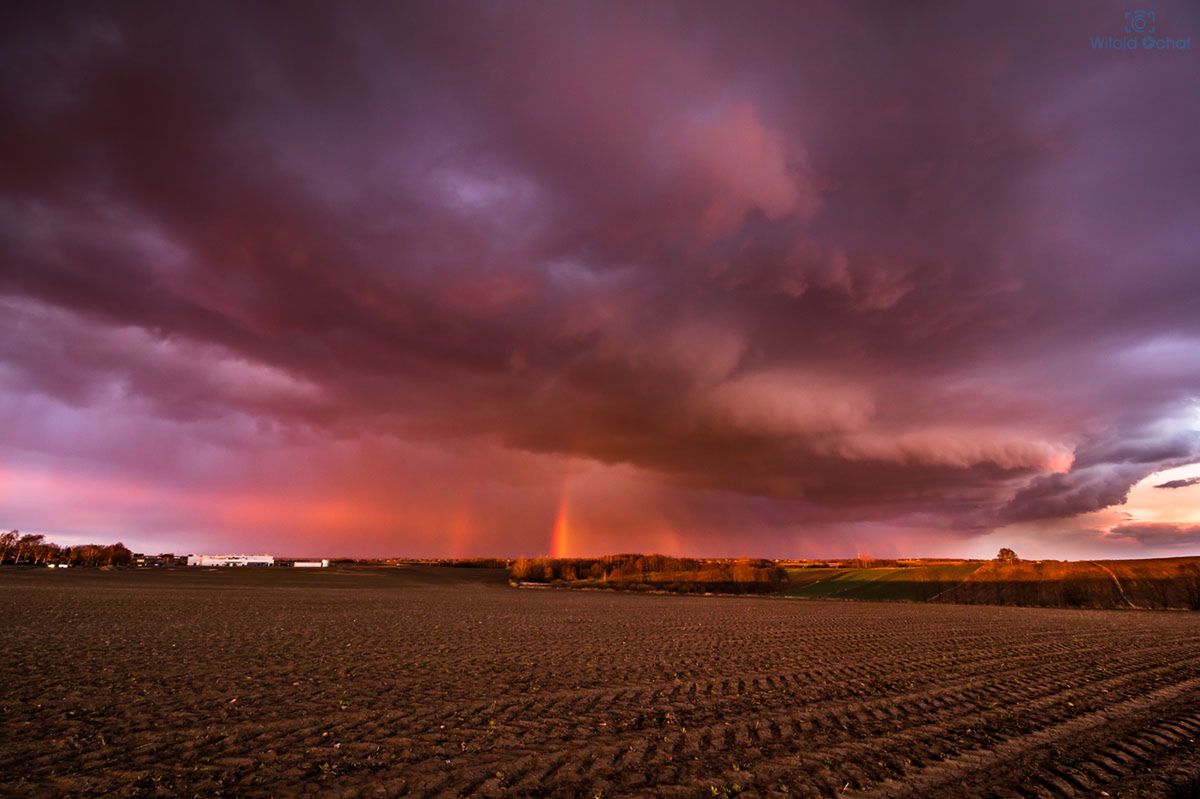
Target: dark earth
[{"x": 422, "y": 681}]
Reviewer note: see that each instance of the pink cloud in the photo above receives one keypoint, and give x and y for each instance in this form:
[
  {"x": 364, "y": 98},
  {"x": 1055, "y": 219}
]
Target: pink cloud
[{"x": 743, "y": 166}]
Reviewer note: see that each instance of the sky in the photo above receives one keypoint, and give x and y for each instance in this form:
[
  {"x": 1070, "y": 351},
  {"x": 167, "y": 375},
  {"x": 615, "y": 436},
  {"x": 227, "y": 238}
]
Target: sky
[{"x": 426, "y": 279}]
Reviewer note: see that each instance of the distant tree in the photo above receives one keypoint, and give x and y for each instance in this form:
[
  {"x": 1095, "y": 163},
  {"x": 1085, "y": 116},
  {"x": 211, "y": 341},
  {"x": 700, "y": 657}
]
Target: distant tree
[
  {"x": 27, "y": 543},
  {"x": 1006, "y": 555},
  {"x": 7, "y": 542},
  {"x": 522, "y": 569},
  {"x": 45, "y": 552},
  {"x": 120, "y": 556},
  {"x": 34, "y": 549},
  {"x": 117, "y": 555},
  {"x": 744, "y": 572},
  {"x": 85, "y": 555}
]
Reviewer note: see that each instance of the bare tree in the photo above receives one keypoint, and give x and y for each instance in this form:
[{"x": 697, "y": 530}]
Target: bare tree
[
  {"x": 7, "y": 542},
  {"x": 34, "y": 549},
  {"x": 27, "y": 543},
  {"x": 46, "y": 552},
  {"x": 85, "y": 555}
]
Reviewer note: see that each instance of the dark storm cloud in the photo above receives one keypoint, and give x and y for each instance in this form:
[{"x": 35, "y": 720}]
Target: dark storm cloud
[
  {"x": 1081, "y": 491},
  {"x": 1190, "y": 481},
  {"x": 1102, "y": 474},
  {"x": 1159, "y": 535},
  {"x": 884, "y": 260}
]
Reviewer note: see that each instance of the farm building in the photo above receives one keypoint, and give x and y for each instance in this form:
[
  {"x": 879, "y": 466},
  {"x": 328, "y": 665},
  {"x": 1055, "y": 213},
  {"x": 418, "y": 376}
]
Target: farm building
[
  {"x": 143, "y": 561},
  {"x": 230, "y": 560}
]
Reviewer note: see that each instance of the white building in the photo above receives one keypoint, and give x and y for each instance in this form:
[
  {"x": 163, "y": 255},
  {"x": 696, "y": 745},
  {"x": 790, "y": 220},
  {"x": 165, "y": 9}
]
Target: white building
[
  {"x": 311, "y": 564},
  {"x": 230, "y": 560}
]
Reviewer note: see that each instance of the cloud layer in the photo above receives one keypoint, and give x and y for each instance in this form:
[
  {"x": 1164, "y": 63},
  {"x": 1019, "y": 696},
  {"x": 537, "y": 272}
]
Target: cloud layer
[{"x": 757, "y": 278}]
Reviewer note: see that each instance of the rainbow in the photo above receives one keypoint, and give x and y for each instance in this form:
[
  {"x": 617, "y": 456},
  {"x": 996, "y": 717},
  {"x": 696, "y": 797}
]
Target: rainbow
[{"x": 560, "y": 534}]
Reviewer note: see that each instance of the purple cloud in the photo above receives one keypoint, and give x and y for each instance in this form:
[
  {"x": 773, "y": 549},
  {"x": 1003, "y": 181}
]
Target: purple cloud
[
  {"x": 1184, "y": 483},
  {"x": 828, "y": 267}
]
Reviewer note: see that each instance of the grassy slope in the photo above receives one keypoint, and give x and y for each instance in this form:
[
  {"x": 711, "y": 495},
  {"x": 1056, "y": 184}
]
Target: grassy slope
[
  {"x": 914, "y": 584},
  {"x": 1154, "y": 583}
]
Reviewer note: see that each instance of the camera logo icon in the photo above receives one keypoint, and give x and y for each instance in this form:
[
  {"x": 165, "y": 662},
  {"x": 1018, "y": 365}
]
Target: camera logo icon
[{"x": 1140, "y": 21}]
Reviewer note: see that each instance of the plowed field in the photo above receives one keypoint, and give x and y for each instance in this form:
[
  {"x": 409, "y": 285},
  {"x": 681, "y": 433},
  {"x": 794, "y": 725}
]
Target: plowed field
[{"x": 445, "y": 682}]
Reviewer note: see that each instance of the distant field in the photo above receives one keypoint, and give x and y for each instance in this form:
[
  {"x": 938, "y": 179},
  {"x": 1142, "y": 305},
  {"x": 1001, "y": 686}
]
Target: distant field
[
  {"x": 1134, "y": 584},
  {"x": 430, "y": 682},
  {"x": 912, "y": 584}
]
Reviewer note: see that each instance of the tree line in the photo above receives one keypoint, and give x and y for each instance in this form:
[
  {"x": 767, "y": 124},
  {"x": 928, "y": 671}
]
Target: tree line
[
  {"x": 743, "y": 575},
  {"x": 33, "y": 549}
]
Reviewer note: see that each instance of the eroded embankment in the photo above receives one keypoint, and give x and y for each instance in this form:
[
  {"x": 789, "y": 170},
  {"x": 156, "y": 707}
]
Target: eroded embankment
[{"x": 1159, "y": 583}]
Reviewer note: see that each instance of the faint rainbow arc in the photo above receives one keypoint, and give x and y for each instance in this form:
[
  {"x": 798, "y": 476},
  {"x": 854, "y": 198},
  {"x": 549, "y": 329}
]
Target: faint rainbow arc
[{"x": 560, "y": 534}]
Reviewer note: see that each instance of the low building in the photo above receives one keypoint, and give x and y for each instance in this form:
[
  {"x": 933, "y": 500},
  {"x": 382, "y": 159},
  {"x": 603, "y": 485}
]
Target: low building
[
  {"x": 164, "y": 559},
  {"x": 230, "y": 560},
  {"x": 312, "y": 564}
]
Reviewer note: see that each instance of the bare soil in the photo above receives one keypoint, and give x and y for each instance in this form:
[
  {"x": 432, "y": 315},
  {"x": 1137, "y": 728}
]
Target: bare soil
[{"x": 443, "y": 682}]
